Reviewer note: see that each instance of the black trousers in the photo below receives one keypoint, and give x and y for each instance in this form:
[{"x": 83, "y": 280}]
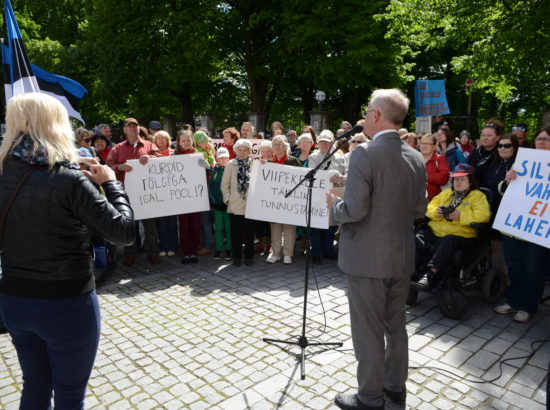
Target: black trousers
[
  {"x": 439, "y": 252},
  {"x": 245, "y": 227}
]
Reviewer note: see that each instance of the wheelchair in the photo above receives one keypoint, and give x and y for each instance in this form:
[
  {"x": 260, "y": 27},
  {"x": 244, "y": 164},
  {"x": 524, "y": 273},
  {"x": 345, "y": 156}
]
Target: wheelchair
[{"x": 469, "y": 275}]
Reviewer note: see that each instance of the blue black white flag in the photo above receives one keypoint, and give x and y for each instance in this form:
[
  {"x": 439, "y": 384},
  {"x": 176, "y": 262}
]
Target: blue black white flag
[{"x": 21, "y": 76}]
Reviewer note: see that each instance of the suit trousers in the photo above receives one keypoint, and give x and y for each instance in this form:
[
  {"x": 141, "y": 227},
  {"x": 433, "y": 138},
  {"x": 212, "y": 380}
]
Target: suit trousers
[
  {"x": 287, "y": 235},
  {"x": 377, "y": 309},
  {"x": 56, "y": 342}
]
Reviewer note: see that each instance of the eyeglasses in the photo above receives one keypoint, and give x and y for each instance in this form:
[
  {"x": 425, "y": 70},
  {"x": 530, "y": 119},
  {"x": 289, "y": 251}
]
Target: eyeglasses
[
  {"x": 542, "y": 139},
  {"x": 504, "y": 146},
  {"x": 366, "y": 112},
  {"x": 523, "y": 129},
  {"x": 426, "y": 143}
]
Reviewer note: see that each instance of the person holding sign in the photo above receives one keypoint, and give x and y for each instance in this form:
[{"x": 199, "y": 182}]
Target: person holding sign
[
  {"x": 235, "y": 183},
  {"x": 136, "y": 147},
  {"x": 526, "y": 261},
  {"x": 322, "y": 240},
  {"x": 386, "y": 192},
  {"x": 189, "y": 224},
  {"x": 283, "y": 236}
]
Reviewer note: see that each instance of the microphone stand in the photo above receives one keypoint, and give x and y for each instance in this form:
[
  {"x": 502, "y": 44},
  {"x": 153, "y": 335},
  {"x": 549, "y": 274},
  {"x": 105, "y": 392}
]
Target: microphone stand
[{"x": 302, "y": 339}]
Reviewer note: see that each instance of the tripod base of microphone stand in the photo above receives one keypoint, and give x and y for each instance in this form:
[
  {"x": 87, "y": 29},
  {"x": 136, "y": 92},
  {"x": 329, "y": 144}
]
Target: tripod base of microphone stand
[{"x": 303, "y": 343}]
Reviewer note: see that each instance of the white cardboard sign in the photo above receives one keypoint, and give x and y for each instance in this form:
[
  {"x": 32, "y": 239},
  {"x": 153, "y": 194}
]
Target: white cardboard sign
[
  {"x": 266, "y": 195},
  {"x": 255, "y": 153},
  {"x": 165, "y": 186},
  {"x": 525, "y": 208}
]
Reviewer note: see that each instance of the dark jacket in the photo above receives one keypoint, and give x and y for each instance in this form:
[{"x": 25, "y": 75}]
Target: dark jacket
[
  {"x": 47, "y": 231},
  {"x": 481, "y": 159}
]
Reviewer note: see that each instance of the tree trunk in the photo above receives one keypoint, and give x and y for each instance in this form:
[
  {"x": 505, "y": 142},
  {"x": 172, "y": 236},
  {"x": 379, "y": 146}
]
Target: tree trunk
[{"x": 186, "y": 104}]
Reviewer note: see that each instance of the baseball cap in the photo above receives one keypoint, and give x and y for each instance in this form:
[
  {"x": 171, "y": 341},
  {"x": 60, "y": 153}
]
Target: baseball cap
[
  {"x": 326, "y": 135},
  {"x": 129, "y": 121},
  {"x": 462, "y": 170},
  {"x": 155, "y": 125},
  {"x": 222, "y": 153}
]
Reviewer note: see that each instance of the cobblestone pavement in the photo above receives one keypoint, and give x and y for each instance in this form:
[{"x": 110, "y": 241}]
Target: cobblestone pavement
[{"x": 190, "y": 337}]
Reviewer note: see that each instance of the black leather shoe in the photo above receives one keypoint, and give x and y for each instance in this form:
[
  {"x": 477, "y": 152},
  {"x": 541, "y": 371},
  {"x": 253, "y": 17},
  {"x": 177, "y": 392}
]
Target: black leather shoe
[
  {"x": 236, "y": 262},
  {"x": 352, "y": 402},
  {"x": 398, "y": 397}
]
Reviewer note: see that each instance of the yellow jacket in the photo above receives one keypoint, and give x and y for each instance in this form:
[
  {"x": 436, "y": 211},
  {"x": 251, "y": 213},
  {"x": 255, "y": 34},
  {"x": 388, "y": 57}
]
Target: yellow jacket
[{"x": 473, "y": 208}]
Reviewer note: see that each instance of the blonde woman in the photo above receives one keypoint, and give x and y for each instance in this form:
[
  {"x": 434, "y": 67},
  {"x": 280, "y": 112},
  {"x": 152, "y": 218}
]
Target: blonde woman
[{"x": 47, "y": 289}]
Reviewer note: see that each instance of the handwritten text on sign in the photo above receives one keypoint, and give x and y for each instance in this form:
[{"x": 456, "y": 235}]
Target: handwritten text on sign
[
  {"x": 255, "y": 153},
  {"x": 269, "y": 183},
  {"x": 525, "y": 208},
  {"x": 167, "y": 186}
]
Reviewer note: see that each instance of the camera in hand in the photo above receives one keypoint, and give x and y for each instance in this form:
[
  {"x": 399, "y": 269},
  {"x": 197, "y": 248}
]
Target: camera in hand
[{"x": 446, "y": 210}]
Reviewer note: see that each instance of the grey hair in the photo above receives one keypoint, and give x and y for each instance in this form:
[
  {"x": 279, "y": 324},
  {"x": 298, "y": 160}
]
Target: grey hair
[
  {"x": 282, "y": 137},
  {"x": 392, "y": 104},
  {"x": 304, "y": 136}
]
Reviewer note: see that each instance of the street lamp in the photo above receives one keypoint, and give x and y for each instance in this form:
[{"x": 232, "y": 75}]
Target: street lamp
[{"x": 320, "y": 96}]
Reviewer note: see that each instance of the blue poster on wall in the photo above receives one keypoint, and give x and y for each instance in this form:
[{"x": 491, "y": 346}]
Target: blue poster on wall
[{"x": 430, "y": 98}]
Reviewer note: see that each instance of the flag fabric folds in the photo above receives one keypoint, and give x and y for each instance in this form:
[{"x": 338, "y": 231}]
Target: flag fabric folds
[{"x": 21, "y": 76}]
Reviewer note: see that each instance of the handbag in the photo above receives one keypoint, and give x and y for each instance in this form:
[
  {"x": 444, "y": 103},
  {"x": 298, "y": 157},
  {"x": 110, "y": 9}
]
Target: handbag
[{"x": 7, "y": 208}]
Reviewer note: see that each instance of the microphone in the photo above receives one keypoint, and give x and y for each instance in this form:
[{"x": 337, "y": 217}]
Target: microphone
[{"x": 348, "y": 135}]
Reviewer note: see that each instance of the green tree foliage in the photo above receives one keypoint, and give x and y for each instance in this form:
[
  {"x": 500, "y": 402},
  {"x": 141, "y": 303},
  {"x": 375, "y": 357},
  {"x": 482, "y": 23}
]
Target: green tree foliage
[{"x": 503, "y": 44}]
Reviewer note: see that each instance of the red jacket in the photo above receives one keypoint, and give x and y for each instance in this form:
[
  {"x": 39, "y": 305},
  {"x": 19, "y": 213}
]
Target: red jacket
[{"x": 438, "y": 174}]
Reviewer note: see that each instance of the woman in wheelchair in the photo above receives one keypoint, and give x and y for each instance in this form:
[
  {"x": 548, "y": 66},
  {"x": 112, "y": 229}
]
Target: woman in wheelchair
[{"x": 449, "y": 230}]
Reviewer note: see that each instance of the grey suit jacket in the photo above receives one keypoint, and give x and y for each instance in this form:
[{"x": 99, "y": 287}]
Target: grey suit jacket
[{"x": 385, "y": 192}]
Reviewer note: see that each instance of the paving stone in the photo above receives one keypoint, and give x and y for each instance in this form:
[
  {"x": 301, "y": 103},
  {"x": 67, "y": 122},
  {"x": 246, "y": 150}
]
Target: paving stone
[{"x": 177, "y": 337}]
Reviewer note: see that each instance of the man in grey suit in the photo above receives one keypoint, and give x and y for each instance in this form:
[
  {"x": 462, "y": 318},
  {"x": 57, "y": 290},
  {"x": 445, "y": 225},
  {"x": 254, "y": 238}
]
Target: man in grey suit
[{"x": 385, "y": 192}]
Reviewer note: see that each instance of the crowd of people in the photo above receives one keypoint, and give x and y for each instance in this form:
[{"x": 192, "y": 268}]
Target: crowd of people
[
  {"x": 456, "y": 169},
  {"x": 47, "y": 288}
]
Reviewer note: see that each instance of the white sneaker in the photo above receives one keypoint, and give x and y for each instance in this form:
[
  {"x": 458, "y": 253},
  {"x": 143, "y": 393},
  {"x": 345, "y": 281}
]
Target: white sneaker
[
  {"x": 272, "y": 258},
  {"x": 162, "y": 253},
  {"x": 505, "y": 308},
  {"x": 170, "y": 253},
  {"x": 522, "y": 316},
  {"x": 287, "y": 260}
]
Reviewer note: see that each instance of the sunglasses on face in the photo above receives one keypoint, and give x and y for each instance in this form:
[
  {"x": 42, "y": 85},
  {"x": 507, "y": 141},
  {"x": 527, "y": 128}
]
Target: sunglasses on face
[{"x": 504, "y": 146}]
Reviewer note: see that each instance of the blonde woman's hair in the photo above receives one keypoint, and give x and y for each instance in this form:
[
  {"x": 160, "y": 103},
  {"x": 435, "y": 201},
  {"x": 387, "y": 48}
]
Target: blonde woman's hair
[
  {"x": 162, "y": 135},
  {"x": 46, "y": 121}
]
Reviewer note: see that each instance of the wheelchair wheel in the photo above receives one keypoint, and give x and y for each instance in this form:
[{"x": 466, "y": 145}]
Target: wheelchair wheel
[
  {"x": 493, "y": 285},
  {"x": 452, "y": 303},
  {"x": 412, "y": 296}
]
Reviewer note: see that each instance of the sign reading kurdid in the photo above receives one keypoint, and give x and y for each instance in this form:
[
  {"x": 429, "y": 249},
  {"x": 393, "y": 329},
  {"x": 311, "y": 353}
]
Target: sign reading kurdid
[{"x": 167, "y": 186}]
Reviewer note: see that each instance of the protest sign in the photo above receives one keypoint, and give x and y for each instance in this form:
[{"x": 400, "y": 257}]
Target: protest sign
[
  {"x": 167, "y": 186},
  {"x": 430, "y": 98},
  {"x": 525, "y": 208},
  {"x": 255, "y": 146},
  {"x": 269, "y": 184}
]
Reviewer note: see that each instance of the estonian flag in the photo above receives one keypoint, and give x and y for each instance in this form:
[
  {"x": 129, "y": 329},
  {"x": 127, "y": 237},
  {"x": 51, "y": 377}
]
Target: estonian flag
[{"x": 20, "y": 76}]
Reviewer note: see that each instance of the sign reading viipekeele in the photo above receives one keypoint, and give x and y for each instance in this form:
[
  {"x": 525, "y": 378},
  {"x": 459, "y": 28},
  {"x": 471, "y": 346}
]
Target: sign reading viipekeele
[
  {"x": 269, "y": 184},
  {"x": 525, "y": 208},
  {"x": 167, "y": 186}
]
